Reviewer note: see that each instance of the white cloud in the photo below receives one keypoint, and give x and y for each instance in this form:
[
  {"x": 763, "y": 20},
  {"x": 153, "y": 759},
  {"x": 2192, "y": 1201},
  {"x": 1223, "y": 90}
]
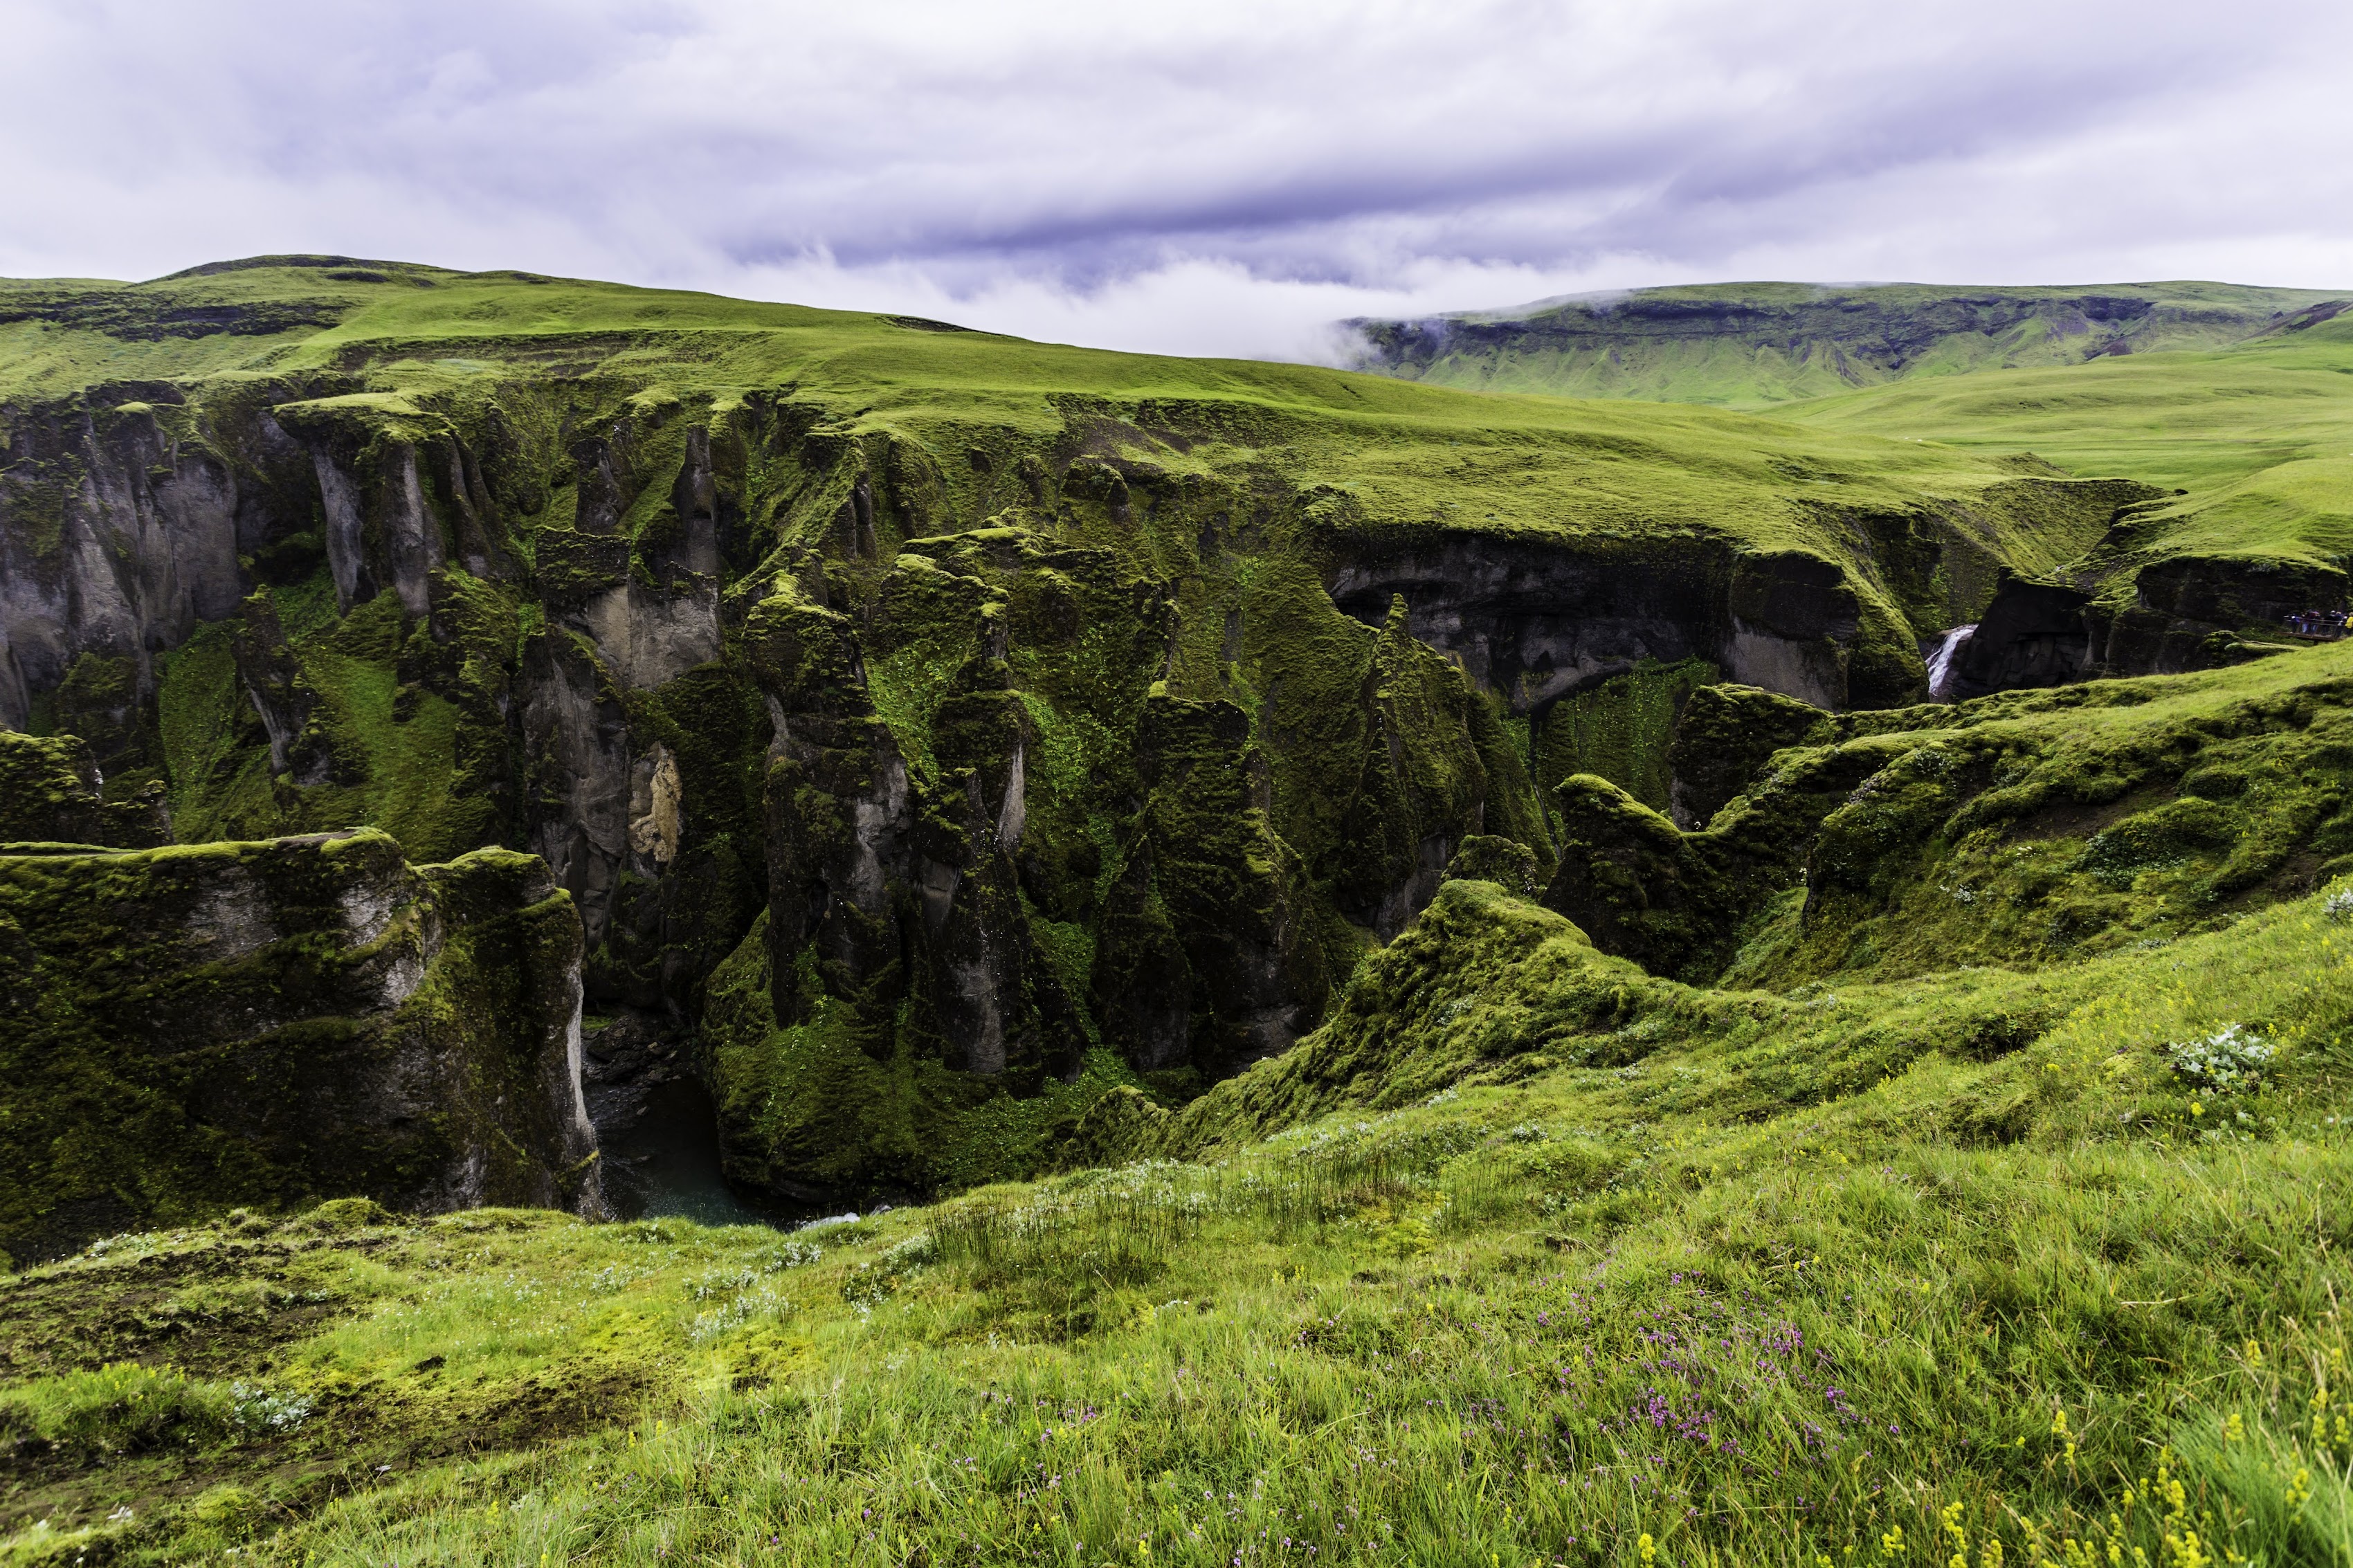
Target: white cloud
[{"x": 1210, "y": 178}]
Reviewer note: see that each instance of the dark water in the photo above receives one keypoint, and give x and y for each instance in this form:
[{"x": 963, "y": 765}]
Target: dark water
[{"x": 665, "y": 1162}]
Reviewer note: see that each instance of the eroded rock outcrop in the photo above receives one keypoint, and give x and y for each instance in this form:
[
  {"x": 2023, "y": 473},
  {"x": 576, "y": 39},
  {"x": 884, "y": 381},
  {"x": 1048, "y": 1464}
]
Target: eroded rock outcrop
[
  {"x": 1536, "y": 621},
  {"x": 2191, "y": 612},
  {"x": 121, "y": 537},
  {"x": 2021, "y": 828},
  {"x": 51, "y": 792},
  {"x": 2033, "y": 634},
  {"x": 187, "y": 1028}
]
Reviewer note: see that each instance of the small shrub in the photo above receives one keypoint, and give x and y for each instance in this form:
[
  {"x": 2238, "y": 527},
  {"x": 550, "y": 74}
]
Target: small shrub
[
  {"x": 262, "y": 1411},
  {"x": 226, "y": 1514},
  {"x": 342, "y": 1217},
  {"x": 2235, "y": 1059}
]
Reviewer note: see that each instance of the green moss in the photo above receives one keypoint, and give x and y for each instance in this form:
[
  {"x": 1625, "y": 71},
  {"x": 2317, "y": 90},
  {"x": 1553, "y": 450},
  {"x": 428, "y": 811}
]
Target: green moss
[
  {"x": 1208, "y": 917},
  {"x": 1723, "y": 738},
  {"x": 99, "y": 700},
  {"x": 49, "y": 791},
  {"x": 1620, "y": 728},
  {"x": 198, "y": 1027},
  {"x": 37, "y": 515},
  {"x": 1512, "y": 866},
  {"x": 207, "y": 725},
  {"x": 1420, "y": 1014},
  {"x": 827, "y": 1108},
  {"x": 2025, "y": 828}
]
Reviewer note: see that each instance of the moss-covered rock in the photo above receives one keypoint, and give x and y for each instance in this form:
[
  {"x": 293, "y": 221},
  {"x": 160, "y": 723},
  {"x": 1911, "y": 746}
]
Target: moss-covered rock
[
  {"x": 1482, "y": 857},
  {"x": 2021, "y": 828},
  {"x": 1207, "y": 957},
  {"x": 1621, "y": 729},
  {"x": 1677, "y": 901},
  {"x": 1485, "y": 977},
  {"x": 189, "y": 1028},
  {"x": 50, "y": 791},
  {"x": 1723, "y": 736}
]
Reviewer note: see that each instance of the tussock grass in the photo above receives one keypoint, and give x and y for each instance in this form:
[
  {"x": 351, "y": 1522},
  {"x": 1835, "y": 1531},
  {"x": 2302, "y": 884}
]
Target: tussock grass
[{"x": 1524, "y": 1322}]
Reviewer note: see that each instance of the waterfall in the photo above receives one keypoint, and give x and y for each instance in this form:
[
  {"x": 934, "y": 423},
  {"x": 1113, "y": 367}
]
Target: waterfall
[{"x": 1940, "y": 663}]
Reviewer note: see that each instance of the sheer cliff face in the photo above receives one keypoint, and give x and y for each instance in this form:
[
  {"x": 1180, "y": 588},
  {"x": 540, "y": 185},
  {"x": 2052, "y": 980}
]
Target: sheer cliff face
[
  {"x": 270, "y": 1024},
  {"x": 948, "y": 766},
  {"x": 121, "y": 543}
]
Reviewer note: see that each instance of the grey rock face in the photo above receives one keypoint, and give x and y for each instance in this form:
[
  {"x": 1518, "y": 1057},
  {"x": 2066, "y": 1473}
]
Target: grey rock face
[
  {"x": 2033, "y": 634},
  {"x": 1536, "y": 621},
  {"x": 652, "y": 636},
  {"x": 117, "y": 540},
  {"x": 578, "y": 745}
]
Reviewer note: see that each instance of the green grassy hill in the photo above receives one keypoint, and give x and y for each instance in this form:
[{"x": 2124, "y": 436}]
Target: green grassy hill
[
  {"x": 2254, "y": 442},
  {"x": 1755, "y": 345},
  {"x": 2234, "y": 399},
  {"x": 2257, "y": 438}
]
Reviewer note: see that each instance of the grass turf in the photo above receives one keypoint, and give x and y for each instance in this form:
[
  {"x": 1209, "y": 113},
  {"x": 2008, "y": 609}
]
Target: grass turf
[{"x": 1672, "y": 1306}]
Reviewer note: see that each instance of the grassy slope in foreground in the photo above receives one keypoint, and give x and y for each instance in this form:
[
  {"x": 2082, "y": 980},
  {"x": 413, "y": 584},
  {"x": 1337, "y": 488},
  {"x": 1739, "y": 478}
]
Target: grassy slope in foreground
[
  {"x": 1532, "y": 1323},
  {"x": 1762, "y": 1278}
]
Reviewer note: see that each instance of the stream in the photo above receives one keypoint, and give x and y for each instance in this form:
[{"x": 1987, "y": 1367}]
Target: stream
[{"x": 663, "y": 1162}]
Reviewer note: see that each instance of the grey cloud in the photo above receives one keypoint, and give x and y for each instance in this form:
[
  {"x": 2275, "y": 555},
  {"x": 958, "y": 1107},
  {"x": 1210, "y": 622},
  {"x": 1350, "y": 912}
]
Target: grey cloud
[{"x": 1325, "y": 153}]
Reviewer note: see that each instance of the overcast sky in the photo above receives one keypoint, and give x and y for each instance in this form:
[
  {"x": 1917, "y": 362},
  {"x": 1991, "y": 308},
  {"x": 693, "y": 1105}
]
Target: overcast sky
[{"x": 1195, "y": 178}]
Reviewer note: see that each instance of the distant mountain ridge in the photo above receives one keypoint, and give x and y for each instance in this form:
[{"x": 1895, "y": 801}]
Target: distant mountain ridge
[{"x": 1749, "y": 345}]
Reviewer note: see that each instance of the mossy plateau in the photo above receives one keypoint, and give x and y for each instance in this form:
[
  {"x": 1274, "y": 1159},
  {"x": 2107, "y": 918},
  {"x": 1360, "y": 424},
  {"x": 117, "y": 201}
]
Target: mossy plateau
[
  {"x": 1756, "y": 345},
  {"x": 2227, "y": 403},
  {"x": 2246, "y": 448}
]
